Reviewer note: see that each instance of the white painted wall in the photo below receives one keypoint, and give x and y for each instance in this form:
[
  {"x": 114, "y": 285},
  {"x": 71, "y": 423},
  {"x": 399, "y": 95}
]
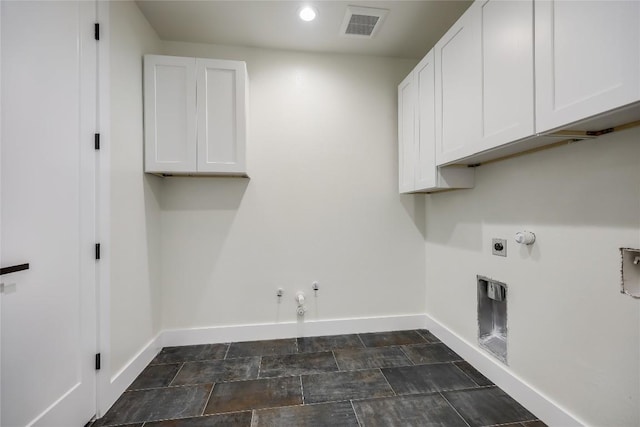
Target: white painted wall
[
  {"x": 135, "y": 212},
  {"x": 321, "y": 204},
  {"x": 572, "y": 335}
]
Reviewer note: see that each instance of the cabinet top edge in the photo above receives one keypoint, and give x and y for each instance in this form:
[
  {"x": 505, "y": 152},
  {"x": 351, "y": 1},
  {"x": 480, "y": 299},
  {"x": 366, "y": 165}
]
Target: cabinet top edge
[{"x": 151, "y": 56}]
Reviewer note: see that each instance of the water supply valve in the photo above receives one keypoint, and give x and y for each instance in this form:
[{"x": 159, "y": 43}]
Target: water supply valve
[
  {"x": 525, "y": 237},
  {"x": 300, "y": 300}
]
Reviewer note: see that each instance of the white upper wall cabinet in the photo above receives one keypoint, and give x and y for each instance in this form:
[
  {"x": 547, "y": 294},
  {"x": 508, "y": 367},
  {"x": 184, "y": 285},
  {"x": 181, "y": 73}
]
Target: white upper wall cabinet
[
  {"x": 417, "y": 136},
  {"x": 587, "y": 59},
  {"x": 484, "y": 79},
  {"x": 195, "y": 116},
  {"x": 492, "y": 100}
]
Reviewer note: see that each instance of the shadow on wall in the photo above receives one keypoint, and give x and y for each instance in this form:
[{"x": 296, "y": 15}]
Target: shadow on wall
[
  {"x": 591, "y": 183},
  {"x": 197, "y": 217},
  {"x": 152, "y": 191},
  {"x": 202, "y": 193},
  {"x": 414, "y": 205}
]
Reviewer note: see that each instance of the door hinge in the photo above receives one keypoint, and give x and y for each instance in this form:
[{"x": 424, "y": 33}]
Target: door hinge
[
  {"x": 96, "y": 141},
  {"x": 98, "y": 360},
  {"x": 97, "y": 251},
  {"x": 96, "y": 31}
]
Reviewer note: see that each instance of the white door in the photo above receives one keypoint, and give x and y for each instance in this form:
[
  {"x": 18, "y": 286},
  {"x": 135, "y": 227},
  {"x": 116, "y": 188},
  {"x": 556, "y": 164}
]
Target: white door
[{"x": 48, "y": 312}]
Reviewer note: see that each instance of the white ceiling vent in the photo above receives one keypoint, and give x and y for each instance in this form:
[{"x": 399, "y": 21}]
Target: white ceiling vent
[{"x": 362, "y": 22}]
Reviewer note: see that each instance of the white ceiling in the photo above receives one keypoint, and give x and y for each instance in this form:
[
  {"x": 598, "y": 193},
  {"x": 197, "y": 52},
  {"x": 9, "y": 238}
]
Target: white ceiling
[{"x": 410, "y": 29}]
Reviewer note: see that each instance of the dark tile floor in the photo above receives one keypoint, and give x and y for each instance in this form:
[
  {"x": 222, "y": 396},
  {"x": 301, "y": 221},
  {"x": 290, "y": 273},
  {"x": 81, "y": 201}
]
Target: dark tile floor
[{"x": 402, "y": 378}]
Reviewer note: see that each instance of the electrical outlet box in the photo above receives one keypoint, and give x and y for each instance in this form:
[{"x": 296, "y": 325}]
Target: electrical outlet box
[
  {"x": 499, "y": 247},
  {"x": 492, "y": 317},
  {"x": 630, "y": 269}
]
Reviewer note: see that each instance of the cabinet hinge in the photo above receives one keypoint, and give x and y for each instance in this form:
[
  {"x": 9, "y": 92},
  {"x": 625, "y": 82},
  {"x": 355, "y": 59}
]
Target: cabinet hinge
[
  {"x": 97, "y": 251},
  {"x": 98, "y": 360},
  {"x": 96, "y": 31},
  {"x": 96, "y": 141}
]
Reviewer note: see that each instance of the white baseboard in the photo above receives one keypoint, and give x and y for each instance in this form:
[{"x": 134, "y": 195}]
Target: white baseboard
[
  {"x": 543, "y": 407},
  {"x": 122, "y": 380},
  {"x": 267, "y": 331}
]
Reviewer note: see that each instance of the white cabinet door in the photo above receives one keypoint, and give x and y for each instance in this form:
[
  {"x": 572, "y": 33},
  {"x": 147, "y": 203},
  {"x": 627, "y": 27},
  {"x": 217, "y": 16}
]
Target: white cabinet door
[
  {"x": 507, "y": 110},
  {"x": 587, "y": 59},
  {"x": 425, "y": 156},
  {"x": 484, "y": 79},
  {"x": 406, "y": 134},
  {"x": 170, "y": 114},
  {"x": 458, "y": 88},
  {"x": 48, "y": 312},
  {"x": 221, "y": 93},
  {"x": 428, "y": 176}
]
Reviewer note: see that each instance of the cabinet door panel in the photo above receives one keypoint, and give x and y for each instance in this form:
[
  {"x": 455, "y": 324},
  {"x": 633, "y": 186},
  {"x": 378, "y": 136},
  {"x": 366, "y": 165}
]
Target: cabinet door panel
[
  {"x": 426, "y": 170},
  {"x": 406, "y": 134},
  {"x": 221, "y": 116},
  {"x": 458, "y": 88},
  {"x": 170, "y": 112},
  {"x": 507, "y": 72},
  {"x": 587, "y": 59}
]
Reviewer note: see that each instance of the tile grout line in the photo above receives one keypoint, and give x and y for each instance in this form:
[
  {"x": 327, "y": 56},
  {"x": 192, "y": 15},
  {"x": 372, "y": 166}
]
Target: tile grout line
[
  {"x": 171, "y": 387},
  {"x": 362, "y": 342},
  {"x": 424, "y": 339},
  {"x": 176, "y": 375},
  {"x": 227, "y": 352},
  {"x": 454, "y": 409},
  {"x": 388, "y": 383},
  {"x": 206, "y": 403},
  {"x": 464, "y": 373},
  {"x": 301, "y": 390},
  {"x": 353, "y": 408},
  {"x": 406, "y": 355},
  {"x": 510, "y": 424},
  {"x": 421, "y": 343},
  {"x": 259, "y": 368},
  {"x": 427, "y": 339},
  {"x": 164, "y": 363},
  {"x": 336, "y": 360}
]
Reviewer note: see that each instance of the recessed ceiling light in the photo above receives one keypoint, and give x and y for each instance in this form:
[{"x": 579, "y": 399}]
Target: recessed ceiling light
[{"x": 308, "y": 13}]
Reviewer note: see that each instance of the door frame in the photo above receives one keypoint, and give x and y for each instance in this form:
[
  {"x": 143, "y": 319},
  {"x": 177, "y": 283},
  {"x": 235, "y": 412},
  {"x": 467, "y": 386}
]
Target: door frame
[
  {"x": 0, "y": 200},
  {"x": 105, "y": 393}
]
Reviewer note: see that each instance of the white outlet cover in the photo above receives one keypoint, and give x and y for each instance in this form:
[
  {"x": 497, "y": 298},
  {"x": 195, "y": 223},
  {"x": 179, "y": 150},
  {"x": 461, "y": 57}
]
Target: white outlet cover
[{"x": 502, "y": 252}]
